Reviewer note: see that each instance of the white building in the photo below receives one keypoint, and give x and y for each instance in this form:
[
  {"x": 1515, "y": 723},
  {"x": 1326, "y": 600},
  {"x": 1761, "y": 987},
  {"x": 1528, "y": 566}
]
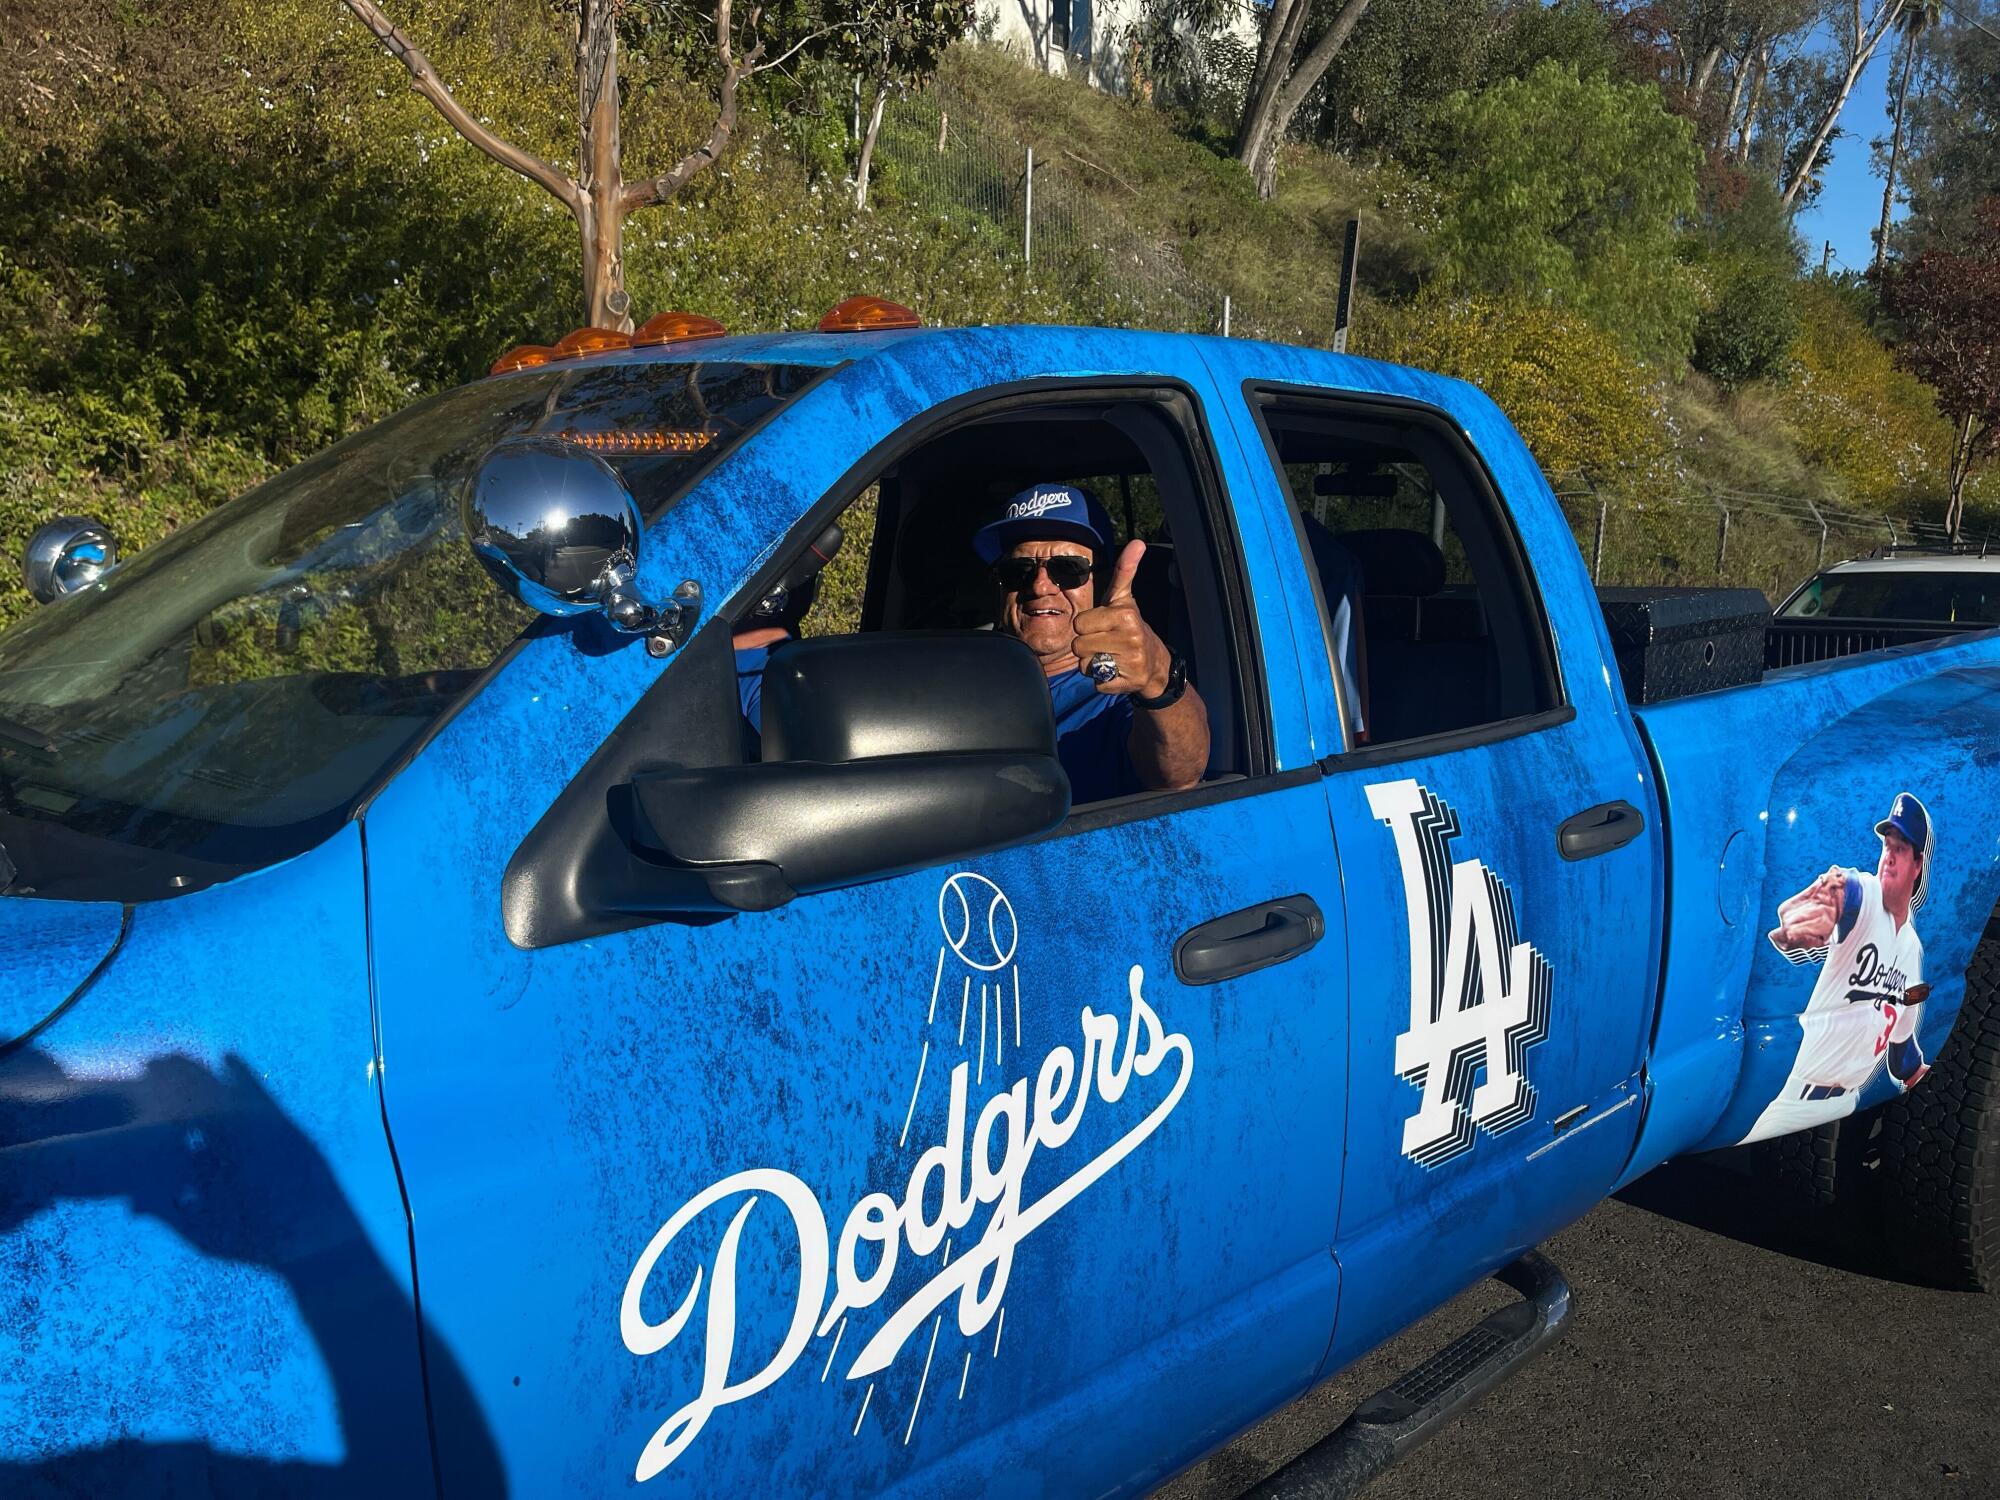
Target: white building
[{"x": 1089, "y": 39}]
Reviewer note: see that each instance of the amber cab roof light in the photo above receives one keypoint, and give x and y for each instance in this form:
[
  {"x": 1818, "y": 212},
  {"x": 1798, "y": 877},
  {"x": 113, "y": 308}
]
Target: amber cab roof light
[
  {"x": 867, "y": 314},
  {"x": 522, "y": 357},
  {"x": 673, "y": 327},
  {"x": 582, "y": 341}
]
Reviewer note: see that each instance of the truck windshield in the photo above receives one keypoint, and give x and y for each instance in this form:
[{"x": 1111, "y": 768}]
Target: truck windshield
[
  {"x": 1962, "y": 598},
  {"x": 227, "y": 697}
]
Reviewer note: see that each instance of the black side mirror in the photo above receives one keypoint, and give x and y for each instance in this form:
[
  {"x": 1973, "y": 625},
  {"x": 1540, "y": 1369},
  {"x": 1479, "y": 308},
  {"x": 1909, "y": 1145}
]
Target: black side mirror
[{"x": 882, "y": 753}]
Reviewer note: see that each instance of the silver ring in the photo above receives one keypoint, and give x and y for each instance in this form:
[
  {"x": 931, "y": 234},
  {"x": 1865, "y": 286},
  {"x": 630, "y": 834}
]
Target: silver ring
[{"x": 1101, "y": 668}]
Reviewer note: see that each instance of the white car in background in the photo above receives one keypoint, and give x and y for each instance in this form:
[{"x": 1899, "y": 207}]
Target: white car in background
[{"x": 1898, "y": 596}]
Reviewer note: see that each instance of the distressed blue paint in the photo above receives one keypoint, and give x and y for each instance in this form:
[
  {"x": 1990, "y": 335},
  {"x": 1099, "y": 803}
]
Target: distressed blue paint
[
  {"x": 579, "y": 1095},
  {"x": 1596, "y": 921},
  {"x": 203, "y": 1248},
  {"x": 52, "y": 947},
  {"x": 203, "y": 1256},
  {"x": 1823, "y": 739},
  {"x": 583, "y": 1123}
]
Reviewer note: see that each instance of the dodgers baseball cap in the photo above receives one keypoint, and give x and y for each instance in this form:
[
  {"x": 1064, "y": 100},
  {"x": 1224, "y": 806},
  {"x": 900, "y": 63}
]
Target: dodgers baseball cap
[
  {"x": 1044, "y": 512},
  {"x": 1909, "y": 818}
]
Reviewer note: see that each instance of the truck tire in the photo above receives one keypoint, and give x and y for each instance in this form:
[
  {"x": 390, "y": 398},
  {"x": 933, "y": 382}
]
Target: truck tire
[
  {"x": 1940, "y": 1146},
  {"x": 1805, "y": 1167}
]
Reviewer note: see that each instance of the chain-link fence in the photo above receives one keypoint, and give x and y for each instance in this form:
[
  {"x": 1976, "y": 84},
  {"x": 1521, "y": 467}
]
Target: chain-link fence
[
  {"x": 1732, "y": 538},
  {"x": 1053, "y": 208}
]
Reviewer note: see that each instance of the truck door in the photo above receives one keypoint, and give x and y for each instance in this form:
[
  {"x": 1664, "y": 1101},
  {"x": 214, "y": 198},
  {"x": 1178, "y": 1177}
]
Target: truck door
[
  {"x": 1497, "y": 837},
  {"x": 687, "y": 1196}
]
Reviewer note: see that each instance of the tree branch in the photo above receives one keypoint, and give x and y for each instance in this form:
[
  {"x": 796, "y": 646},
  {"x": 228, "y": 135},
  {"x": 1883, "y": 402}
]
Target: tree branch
[
  {"x": 647, "y": 190},
  {"x": 424, "y": 80},
  {"x": 787, "y": 55},
  {"x": 1316, "y": 62}
]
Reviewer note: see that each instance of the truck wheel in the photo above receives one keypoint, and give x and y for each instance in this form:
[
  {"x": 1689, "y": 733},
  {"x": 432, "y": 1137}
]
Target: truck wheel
[
  {"x": 1940, "y": 1146},
  {"x": 1805, "y": 1167}
]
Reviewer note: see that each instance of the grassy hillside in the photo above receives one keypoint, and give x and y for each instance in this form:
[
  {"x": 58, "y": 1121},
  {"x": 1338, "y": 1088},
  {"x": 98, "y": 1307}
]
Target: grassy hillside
[{"x": 1840, "y": 426}]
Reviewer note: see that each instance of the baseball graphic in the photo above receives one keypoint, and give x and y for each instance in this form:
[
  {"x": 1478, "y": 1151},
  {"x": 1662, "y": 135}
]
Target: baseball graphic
[
  {"x": 1859, "y": 927},
  {"x": 978, "y": 921}
]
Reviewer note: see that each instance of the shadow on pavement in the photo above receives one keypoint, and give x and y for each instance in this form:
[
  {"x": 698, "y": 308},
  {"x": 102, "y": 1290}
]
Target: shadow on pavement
[{"x": 1735, "y": 1194}]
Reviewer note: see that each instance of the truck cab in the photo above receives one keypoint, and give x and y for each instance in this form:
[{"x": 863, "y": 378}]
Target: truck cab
[{"x": 500, "y": 1069}]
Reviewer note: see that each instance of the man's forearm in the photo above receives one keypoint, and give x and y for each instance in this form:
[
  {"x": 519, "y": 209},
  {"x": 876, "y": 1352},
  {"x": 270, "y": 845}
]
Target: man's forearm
[{"x": 1169, "y": 746}]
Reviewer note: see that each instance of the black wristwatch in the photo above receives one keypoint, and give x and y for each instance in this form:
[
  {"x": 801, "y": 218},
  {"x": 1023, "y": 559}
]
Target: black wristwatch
[{"x": 1171, "y": 693}]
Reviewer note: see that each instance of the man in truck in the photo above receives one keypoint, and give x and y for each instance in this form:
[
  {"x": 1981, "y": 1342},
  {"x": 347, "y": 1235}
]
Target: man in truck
[{"x": 1127, "y": 718}]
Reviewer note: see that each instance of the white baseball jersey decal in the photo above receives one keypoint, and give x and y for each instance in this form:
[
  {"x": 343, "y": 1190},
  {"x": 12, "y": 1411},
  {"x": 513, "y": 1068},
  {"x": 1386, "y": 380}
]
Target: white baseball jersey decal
[
  {"x": 1867, "y": 999},
  {"x": 1858, "y": 998},
  {"x": 1479, "y": 997}
]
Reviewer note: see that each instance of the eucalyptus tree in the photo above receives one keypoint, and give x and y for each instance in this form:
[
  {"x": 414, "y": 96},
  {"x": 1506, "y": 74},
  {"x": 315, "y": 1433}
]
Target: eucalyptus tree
[
  {"x": 1919, "y": 16},
  {"x": 599, "y": 195},
  {"x": 1858, "y": 31},
  {"x": 1282, "y": 80}
]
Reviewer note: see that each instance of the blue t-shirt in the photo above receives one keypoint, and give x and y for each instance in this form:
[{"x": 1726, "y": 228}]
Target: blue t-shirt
[
  {"x": 750, "y": 683},
  {"x": 1093, "y": 731},
  {"x": 1092, "y": 728}
]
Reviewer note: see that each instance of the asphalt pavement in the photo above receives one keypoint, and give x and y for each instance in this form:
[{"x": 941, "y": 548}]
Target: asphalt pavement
[{"x": 1726, "y": 1342}]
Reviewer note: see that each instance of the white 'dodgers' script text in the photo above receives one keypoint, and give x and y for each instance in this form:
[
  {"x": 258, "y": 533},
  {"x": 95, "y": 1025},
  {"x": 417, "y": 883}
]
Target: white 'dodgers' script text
[{"x": 1012, "y": 1126}]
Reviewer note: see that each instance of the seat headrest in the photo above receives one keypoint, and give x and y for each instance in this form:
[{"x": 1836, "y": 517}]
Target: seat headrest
[{"x": 1394, "y": 561}]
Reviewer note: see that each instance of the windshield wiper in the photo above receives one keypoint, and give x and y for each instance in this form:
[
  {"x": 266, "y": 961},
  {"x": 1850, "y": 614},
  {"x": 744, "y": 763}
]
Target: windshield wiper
[{"x": 14, "y": 732}]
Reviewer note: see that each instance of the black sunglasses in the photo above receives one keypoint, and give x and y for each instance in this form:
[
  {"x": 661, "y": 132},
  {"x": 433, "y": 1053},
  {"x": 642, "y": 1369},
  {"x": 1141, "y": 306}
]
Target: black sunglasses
[{"x": 1066, "y": 570}]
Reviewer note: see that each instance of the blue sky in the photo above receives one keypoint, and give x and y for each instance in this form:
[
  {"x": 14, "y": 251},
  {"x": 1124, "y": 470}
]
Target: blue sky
[{"x": 1850, "y": 205}]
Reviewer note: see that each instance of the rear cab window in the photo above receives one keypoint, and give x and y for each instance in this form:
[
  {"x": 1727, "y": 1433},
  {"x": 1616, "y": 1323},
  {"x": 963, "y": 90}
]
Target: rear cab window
[{"x": 1431, "y": 618}]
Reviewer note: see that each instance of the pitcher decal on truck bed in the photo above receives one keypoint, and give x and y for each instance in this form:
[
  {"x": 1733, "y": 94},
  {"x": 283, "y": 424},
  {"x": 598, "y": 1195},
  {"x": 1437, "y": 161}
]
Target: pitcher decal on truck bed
[
  {"x": 1860, "y": 929},
  {"x": 1479, "y": 997},
  {"x": 979, "y": 1161}
]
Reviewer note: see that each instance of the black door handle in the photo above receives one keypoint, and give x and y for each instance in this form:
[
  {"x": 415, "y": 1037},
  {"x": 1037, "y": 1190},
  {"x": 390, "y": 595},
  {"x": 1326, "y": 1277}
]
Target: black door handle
[
  {"x": 1247, "y": 940},
  {"x": 1599, "y": 830}
]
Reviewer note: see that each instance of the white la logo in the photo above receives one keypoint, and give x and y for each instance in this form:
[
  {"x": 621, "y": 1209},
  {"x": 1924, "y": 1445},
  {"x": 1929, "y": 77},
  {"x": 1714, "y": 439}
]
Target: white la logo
[{"x": 1463, "y": 1015}]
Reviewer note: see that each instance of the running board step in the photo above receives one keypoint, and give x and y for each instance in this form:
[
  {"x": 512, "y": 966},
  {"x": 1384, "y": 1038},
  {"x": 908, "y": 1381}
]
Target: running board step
[{"x": 1394, "y": 1422}]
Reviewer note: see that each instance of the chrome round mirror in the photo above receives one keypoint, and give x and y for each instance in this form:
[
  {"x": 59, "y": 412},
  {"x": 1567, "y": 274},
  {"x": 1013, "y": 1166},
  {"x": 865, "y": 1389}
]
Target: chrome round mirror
[
  {"x": 554, "y": 524},
  {"x": 69, "y": 553}
]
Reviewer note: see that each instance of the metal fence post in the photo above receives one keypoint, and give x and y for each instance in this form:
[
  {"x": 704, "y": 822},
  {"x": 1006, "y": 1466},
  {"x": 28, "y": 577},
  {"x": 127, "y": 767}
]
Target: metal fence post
[
  {"x": 1225, "y": 315},
  {"x": 1819, "y": 558},
  {"x": 1597, "y": 542},
  {"x": 1721, "y": 540},
  {"x": 1028, "y": 213}
]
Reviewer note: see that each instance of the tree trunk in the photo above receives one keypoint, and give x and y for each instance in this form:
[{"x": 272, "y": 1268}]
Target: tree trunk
[
  {"x": 602, "y": 198},
  {"x": 1704, "y": 71},
  {"x": 1961, "y": 466},
  {"x": 1865, "y": 41},
  {"x": 1264, "y": 167},
  {"x": 1739, "y": 75},
  {"x": 1263, "y": 97},
  {"x": 1267, "y": 46},
  {"x": 602, "y": 222},
  {"x": 1895, "y": 151},
  {"x": 867, "y": 157},
  {"x": 1756, "y": 105}
]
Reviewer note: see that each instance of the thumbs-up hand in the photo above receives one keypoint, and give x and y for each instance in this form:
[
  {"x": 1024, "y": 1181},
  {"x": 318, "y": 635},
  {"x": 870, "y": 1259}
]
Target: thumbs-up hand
[{"x": 1115, "y": 629}]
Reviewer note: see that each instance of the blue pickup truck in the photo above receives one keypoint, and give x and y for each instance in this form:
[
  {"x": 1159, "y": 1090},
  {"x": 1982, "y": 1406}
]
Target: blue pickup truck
[{"x": 442, "y": 1049}]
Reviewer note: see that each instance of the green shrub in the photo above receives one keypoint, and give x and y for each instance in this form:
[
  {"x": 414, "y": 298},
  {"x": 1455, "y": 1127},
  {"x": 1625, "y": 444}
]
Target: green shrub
[
  {"x": 1571, "y": 189},
  {"x": 1582, "y": 404},
  {"x": 1749, "y": 331}
]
